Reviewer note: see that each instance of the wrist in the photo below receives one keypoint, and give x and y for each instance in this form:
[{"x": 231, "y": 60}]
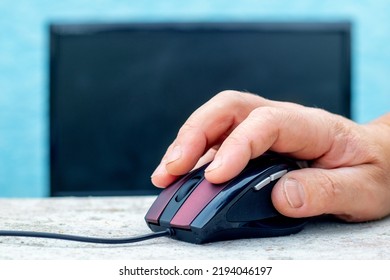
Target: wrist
[
  {"x": 385, "y": 120},
  {"x": 379, "y": 132}
]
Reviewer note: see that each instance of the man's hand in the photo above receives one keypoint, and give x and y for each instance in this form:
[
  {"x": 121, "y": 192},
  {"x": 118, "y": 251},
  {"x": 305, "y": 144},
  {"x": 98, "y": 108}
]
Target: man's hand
[{"x": 350, "y": 163}]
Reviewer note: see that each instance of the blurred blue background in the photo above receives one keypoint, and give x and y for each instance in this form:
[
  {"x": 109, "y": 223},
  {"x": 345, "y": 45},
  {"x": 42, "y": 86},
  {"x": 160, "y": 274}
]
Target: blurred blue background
[{"x": 24, "y": 62}]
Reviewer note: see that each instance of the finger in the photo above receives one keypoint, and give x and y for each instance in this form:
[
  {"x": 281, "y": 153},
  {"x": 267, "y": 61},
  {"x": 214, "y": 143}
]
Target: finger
[
  {"x": 349, "y": 193},
  {"x": 160, "y": 177},
  {"x": 299, "y": 133},
  {"x": 208, "y": 126}
]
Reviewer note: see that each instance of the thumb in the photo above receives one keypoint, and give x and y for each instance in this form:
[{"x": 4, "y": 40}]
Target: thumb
[{"x": 343, "y": 192}]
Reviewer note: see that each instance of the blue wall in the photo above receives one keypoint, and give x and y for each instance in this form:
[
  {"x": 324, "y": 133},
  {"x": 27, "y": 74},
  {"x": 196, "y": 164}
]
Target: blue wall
[{"x": 24, "y": 61}]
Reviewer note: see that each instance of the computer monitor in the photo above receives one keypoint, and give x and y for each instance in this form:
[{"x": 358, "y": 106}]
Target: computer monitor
[{"x": 120, "y": 92}]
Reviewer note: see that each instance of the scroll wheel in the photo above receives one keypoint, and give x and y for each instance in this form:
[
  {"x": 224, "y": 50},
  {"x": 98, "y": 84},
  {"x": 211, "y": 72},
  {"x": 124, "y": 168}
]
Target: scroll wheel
[{"x": 187, "y": 187}]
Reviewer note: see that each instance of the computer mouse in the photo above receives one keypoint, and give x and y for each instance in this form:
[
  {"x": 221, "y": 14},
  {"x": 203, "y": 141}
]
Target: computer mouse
[{"x": 198, "y": 211}]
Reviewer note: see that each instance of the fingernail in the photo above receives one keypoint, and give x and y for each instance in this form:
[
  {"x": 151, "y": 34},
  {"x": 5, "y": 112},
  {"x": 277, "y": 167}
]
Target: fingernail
[
  {"x": 175, "y": 154},
  {"x": 217, "y": 162},
  {"x": 294, "y": 193}
]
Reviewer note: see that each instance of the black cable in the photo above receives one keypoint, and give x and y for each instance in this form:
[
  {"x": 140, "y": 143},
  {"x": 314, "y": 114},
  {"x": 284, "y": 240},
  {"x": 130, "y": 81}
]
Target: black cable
[{"x": 167, "y": 232}]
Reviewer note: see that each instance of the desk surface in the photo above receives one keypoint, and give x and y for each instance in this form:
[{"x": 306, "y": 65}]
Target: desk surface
[{"x": 124, "y": 216}]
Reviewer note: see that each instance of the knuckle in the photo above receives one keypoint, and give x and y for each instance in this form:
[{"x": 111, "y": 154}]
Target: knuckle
[
  {"x": 232, "y": 99},
  {"x": 267, "y": 118},
  {"x": 190, "y": 128},
  {"x": 328, "y": 190},
  {"x": 228, "y": 94},
  {"x": 265, "y": 113},
  {"x": 227, "y": 99},
  {"x": 273, "y": 115},
  {"x": 328, "y": 185}
]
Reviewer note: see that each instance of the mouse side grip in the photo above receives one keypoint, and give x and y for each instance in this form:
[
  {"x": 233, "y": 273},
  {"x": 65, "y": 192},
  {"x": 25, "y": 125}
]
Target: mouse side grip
[{"x": 253, "y": 205}]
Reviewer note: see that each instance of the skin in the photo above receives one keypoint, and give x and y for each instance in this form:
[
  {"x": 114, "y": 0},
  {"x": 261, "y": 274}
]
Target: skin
[{"x": 349, "y": 174}]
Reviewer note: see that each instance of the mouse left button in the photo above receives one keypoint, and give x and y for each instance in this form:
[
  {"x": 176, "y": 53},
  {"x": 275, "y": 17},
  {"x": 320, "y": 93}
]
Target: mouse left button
[{"x": 158, "y": 206}]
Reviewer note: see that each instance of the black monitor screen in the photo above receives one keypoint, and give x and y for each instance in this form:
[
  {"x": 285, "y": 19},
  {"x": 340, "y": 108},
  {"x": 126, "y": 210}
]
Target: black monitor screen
[{"x": 120, "y": 92}]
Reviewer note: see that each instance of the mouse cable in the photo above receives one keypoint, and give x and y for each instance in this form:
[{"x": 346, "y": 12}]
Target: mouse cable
[{"x": 34, "y": 234}]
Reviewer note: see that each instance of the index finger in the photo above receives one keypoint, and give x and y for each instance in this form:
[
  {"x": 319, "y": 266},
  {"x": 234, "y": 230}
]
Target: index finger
[{"x": 208, "y": 126}]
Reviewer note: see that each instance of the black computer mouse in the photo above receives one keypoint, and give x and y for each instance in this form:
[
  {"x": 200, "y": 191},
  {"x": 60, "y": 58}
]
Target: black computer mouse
[{"x": 198, "y": 211}]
